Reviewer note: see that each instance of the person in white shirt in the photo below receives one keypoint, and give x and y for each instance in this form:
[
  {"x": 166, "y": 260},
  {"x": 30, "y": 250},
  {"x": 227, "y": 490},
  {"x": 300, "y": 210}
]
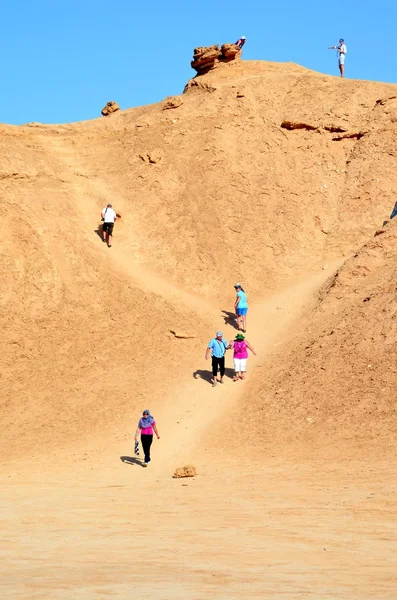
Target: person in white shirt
[
  {"x": 109, "y": 217},
  {"x": 342, "y": 51}
]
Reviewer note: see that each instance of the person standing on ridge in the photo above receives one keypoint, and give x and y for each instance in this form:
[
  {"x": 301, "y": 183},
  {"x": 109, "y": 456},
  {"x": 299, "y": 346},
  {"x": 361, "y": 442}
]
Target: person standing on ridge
[
  {"x": 146, "y": 426},
  {"x": 241, "y": 307},
  {"x": 341, "y": 51},
  {"x": 240, "y": 354},
  {"x": 109, "y": 217},
  {"x": 217, "y": 349},
  {"x": 240, "y": 42}
]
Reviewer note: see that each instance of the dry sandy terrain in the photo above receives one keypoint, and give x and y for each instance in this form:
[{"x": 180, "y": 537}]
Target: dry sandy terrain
[{"x": 269, "y": 174}]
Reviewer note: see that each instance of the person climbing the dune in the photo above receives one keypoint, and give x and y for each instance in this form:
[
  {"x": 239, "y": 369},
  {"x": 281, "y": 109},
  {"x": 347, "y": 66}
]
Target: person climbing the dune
[
  {"x": 241, "y": 307},
  {"x": 108, "y": 216},
  {"x": 217, "y": 349},
  {"x": 240, "y": 354},
  {"x": 146, "y": 426},
  {"x": 240, "y": 42}
]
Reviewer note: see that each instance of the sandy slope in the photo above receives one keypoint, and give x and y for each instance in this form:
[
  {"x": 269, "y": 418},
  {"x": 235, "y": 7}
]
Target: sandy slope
[
  {"x": 256, "y": 528},
  {"x": 265, "y": 173}
]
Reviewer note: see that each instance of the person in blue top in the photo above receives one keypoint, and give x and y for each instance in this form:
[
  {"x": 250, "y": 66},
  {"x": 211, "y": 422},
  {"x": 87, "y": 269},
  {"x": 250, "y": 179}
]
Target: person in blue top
[
  {"x": 241, "y": 307},
  {"x": 217, "y": 349}
]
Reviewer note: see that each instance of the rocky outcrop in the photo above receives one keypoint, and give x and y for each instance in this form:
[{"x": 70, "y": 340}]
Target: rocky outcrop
[
  {"x": 229, "y": 52},
  {"x": 172, "y": 102},
  {"x": 206, "y": 58},
  {"x": 196, "y": 84},
  {"x": 110, "y": 108}
]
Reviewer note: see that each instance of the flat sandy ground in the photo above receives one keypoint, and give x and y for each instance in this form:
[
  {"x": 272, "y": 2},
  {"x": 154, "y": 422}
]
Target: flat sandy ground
[{"x": 239, "y": 529}]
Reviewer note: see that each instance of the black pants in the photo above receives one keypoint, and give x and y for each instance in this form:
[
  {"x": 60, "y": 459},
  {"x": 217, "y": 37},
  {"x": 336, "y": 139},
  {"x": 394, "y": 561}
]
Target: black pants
[
  {"x": 146, "y": 443},
  {"x": 218, "y": 362}
]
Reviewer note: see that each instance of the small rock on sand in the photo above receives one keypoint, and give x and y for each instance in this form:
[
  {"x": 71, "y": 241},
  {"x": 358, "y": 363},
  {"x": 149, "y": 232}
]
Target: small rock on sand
[{"x": 187, "y": 471}]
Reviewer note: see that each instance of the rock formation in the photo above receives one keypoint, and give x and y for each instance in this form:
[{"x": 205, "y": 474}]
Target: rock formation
[
  {"x": 206, "y": 58},
  {"x": 172, "y": 102},
  {"x": 229, "y": 52},
  {"x": 110, "y": 108}
]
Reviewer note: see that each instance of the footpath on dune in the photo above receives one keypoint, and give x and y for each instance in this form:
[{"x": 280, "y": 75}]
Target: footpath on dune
[{"x": 330, "y": 391}]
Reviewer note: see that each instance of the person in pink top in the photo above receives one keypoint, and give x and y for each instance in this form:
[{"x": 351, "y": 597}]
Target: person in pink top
[
  {"x": 146, "y": 426},
  {"x": 240, "y": 354}
]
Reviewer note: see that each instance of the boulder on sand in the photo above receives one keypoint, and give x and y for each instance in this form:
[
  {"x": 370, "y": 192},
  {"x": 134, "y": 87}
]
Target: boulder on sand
[
  {"x": 110, "y": 108},
  {"x": 187, "y": 471}
]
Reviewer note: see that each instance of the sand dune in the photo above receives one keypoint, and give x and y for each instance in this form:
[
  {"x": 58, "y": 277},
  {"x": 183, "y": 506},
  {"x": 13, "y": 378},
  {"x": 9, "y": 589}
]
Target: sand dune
[{"x": 265, "y": 173}]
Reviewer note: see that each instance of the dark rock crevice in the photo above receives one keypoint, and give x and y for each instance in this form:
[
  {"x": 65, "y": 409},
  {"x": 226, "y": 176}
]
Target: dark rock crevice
[
  {"x": 291, "y": 125},
  {"x": 350, "y": 136}
]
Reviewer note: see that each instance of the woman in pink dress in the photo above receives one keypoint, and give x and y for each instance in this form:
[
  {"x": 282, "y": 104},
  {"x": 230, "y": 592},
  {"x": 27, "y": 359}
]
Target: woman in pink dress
[
  {"x": 146, "y": 426},
  {"x": 240, "y": 354}
]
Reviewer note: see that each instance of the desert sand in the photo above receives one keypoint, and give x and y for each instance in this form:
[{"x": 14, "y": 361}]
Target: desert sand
[{"x": 263, "y": 173}]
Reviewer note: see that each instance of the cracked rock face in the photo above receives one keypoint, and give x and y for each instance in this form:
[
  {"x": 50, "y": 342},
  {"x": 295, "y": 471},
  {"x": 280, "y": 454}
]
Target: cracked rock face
[{"x": 345, "y": 134}]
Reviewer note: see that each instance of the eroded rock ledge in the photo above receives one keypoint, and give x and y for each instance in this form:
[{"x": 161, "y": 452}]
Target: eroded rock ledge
[{"x": 206, "y": 58}]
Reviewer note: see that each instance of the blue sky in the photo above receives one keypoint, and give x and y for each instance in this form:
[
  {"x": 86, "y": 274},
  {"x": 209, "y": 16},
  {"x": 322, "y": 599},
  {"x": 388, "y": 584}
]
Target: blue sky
[{"x": 63, "y": 60}]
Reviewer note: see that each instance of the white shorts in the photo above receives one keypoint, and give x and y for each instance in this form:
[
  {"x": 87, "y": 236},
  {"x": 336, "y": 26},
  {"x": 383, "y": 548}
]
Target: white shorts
[
  {"x": 341, "y": 59},
  {"x": 240, "y": 365}
]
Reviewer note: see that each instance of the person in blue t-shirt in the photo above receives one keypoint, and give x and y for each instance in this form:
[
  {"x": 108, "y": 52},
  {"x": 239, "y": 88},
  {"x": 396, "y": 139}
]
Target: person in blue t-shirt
[
  {"x": 217, "y": 349},
  {"x": 241, "y": 307}
]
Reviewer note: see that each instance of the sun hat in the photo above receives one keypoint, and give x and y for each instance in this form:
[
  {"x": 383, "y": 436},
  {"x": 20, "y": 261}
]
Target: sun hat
[
  {"x": 108, "y": 204},
  {"x": 240, "y": 336},
  {"x": 243, "y": 37},
  {"x": 341, "y": 40},
  {"x": 237, "y": 285},
  {"x": 219, "y": 334}
]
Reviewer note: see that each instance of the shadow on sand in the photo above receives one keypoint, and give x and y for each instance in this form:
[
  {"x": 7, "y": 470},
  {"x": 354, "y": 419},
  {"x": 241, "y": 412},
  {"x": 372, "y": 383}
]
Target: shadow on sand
[
  {"x": 207, "y": 375},
  {"x": 229, "y": 318},
  {"x": 132, "y": 460},
  {"x": 99, "y": 232}
]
